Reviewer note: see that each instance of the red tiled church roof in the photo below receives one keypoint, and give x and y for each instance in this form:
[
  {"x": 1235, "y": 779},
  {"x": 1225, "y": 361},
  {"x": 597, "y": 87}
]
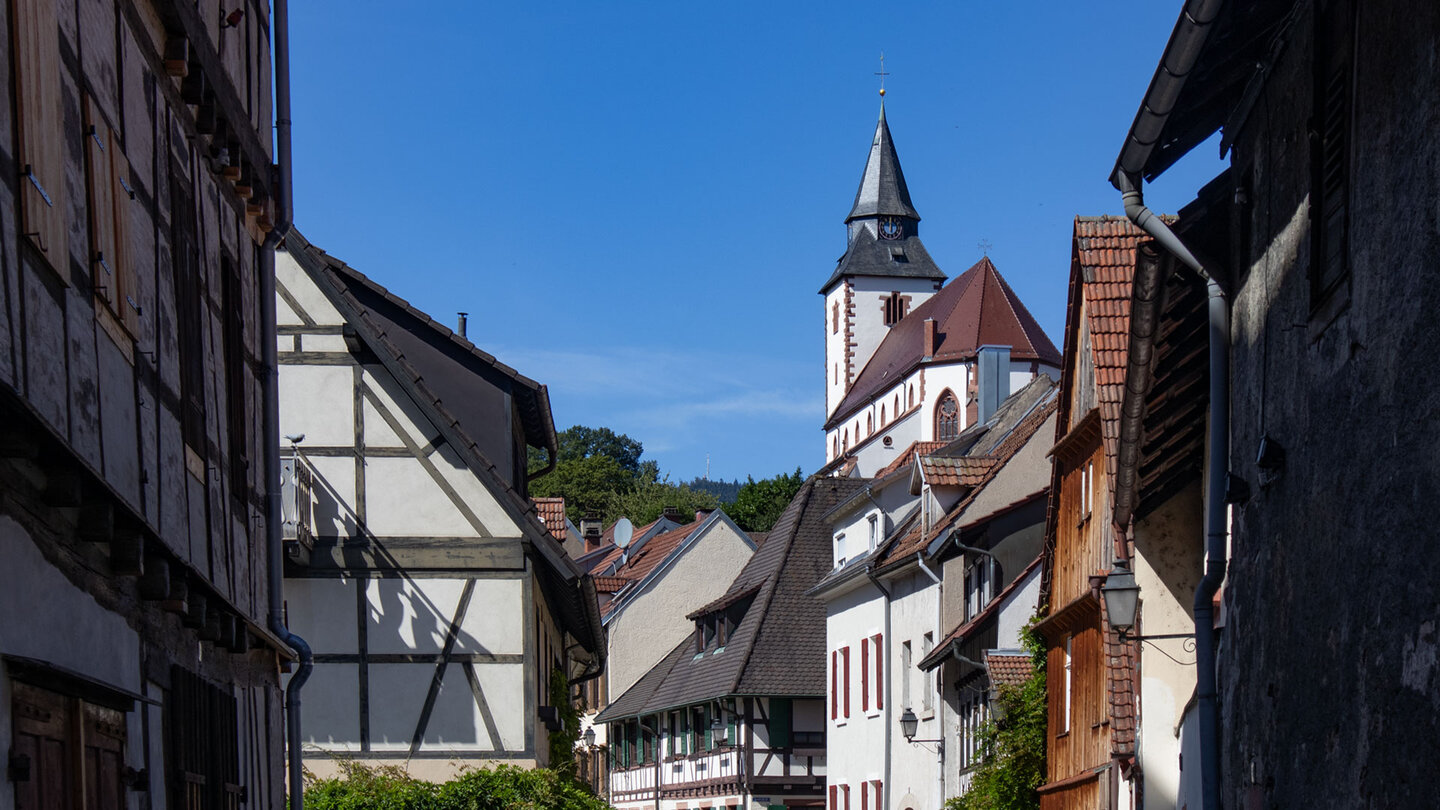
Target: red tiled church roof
[{"x": 977, "y": 309}]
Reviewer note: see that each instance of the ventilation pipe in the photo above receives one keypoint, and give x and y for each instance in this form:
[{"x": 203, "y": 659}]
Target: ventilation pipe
[
  {"x": 1217, "y": 473},
  {"x": 271, "y": 417},
  {"x": 460, "y": 327}
]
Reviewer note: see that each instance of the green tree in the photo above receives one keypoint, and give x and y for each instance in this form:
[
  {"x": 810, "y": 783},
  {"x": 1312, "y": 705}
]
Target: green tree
[
  {"x": 1012, "y": 748},
  {"x": 645, "y": 500},
  {"x": 588, "y": 484},
  {"x": 759, "y": 504},
  {"x": 580, "y": 441}
]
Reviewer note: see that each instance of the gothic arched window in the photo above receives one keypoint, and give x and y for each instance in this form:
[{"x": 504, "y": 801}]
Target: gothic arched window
[
  {"x": 845, "y": 445},
  {"x": 869, "y": 423},
  {"x": 882, "y": 416},
  {"x": 947, "y": 417}
]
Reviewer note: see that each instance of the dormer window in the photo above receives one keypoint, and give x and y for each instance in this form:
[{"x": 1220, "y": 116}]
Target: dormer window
[{"x": 874, "y": 531}]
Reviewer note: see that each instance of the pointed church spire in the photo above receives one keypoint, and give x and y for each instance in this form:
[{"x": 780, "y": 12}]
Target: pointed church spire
[{"x": 882, "y": 187}]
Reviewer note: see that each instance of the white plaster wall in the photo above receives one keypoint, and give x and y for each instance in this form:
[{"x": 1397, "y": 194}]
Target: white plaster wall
[
  {"x": 855, "y": 745},
  {"x": 836, "y": 383},
  {"x": 869, "y": 300},
  {"x": 306, "y": 294},
  {"x": 649, "y": 625},
  {"x": 1015, "y": 615},
  {"x": 324, "y": 612},
  {"x": 913, "y": 613},
  {"x": 1167, "y": 564},
  {"x": 318, "y": 402}
]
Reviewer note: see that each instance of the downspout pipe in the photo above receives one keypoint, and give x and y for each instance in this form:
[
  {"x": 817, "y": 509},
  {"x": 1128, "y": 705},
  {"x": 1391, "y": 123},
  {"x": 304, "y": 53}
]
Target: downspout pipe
[
  {"x": 880, "y": 586},
  {"x": 280, "y": 26},
  {"x": 940, "y": 709},
  {"x": 1215, "y": 515}
]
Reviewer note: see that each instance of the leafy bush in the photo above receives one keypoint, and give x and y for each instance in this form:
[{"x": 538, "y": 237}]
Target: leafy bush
[
  {"x": 1012, "y": 749},
  {"x": 503, "y": 788}
]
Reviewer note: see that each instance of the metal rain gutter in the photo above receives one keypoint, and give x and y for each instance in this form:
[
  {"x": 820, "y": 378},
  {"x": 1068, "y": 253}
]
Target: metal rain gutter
[
  {"x": 271, "y": 416},
  {"x": 1181, "y": 53}
]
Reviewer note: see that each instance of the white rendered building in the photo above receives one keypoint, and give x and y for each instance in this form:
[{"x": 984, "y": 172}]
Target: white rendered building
[{"x": 908, "y": 357}]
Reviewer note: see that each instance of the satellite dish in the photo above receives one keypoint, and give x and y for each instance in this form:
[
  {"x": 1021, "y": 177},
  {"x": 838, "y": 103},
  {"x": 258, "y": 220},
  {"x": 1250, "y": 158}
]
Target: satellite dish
[{"x": 624, "y": 532}]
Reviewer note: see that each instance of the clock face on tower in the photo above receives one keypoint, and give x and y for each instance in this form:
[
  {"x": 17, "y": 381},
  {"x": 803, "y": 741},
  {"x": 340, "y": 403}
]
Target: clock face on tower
[{"x": 890, "y": 228}]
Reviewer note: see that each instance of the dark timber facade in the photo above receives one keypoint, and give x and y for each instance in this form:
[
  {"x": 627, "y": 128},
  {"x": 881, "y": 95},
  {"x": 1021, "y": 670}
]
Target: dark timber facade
[{"x": 135, "y": 184}]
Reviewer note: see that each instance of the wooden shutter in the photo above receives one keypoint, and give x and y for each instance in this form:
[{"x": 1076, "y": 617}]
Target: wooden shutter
[
  {"x": 189, "y": 310},
  {"x": 879, "y": 670},
  {"x": 41, "y": 129},
  {"x": 204, "y": 744},
  {"x": 864, "y": 674},
  {"x": 877, "y": 792},
  {"x": 1330, "y": 146},
  {"x": 845, "y": 663},
  {"x": 834, "y": 692},
  {"x": 780, "y": 722}
]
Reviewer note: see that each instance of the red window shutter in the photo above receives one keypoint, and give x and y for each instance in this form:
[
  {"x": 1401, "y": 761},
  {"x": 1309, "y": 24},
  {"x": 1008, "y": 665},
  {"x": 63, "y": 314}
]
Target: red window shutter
[
  {"x": 846, "y": 790},
  {"x": 865, "y": 796},
  {"x": 879, "y": 673},
  {"x": 834, "y": 698},
  {"x": 845, "y": 662},
  {"x": 864, "y": 683},
  {"x": 877, "y": 790},
  {"x": 834, "y": 793}
]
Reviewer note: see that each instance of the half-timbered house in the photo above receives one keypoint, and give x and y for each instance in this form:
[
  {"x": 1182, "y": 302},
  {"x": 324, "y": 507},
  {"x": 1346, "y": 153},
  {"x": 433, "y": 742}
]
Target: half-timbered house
[
  {"x": 445, "y": 619},
  {"x": 136, "y": 652},
  {"x": 733, "y": 716}
]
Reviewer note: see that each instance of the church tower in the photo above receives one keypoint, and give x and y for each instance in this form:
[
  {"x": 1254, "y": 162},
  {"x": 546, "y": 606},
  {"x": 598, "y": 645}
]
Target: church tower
[{"x": 885, "y": 272}]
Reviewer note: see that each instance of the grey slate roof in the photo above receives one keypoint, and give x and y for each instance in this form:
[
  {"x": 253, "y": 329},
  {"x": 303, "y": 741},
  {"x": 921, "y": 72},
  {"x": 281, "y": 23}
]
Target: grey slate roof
[
  {"x": 882, "y": 189},
  {"x": 868, "y": 255},
  {"x": 779, "y": 646}
]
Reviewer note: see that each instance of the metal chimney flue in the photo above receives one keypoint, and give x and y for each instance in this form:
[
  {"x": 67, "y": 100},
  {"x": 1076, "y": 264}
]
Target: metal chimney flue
[
  {"x": 994, "y": 373},
  {"x": 460, "y": 329}
]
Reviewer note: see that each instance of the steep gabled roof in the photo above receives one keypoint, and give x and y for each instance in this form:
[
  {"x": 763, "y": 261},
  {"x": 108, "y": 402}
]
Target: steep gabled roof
[
  {"x": 426, "y": 360},
  {"x": 778, "y": 648},
  {"x": 644, "y": 564},
  {"x": 977, "y": 309},
  {"x": 882, "y": 189}
]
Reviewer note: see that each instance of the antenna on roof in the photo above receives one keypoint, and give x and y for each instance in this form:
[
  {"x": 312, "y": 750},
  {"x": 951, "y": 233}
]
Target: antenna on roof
[{"x": 624, "y": 532}]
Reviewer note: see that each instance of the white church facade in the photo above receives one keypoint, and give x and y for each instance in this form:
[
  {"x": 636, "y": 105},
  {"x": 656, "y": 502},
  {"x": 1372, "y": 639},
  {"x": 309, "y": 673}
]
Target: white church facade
[{"x": 909, "y": 357}]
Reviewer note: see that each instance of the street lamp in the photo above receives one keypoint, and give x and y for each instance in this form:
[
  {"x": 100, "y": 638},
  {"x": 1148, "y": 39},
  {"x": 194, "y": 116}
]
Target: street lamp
[
  {"x": 589, "y": 737},
  {"x": 1122, "y": 602},
  {"x": 909, "y": 724}
]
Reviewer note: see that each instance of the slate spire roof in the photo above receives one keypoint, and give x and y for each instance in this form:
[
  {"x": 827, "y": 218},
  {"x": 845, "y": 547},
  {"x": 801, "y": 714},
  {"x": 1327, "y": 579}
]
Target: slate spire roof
[
  {"x": 883, "y": 194},
  {"x": 882, "y": 189}
]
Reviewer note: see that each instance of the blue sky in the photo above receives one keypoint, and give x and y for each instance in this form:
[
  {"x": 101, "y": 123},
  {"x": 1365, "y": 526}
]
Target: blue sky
[{"x": 637, "y": 203}]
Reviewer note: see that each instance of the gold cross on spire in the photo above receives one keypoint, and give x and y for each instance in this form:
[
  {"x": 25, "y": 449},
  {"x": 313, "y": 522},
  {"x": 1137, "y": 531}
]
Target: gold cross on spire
[
  {"x": 882, "y": 74},
  {"x": 985, "y": 245}
]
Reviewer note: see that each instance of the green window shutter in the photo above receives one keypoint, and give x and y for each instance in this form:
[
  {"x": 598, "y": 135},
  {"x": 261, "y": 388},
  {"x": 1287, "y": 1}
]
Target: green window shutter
[
  {"x": 709, "y": 735},
  {"x": 731, "y": 728},
  {"x": 780, "y": 722}
]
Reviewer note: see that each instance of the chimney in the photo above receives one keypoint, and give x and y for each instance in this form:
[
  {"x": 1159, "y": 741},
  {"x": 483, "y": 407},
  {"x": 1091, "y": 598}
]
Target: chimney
[
  {"x": 993, "y": 368},
  {"x": 590, "y": 529},
  {"x": 930, "y": 340},
  {"x": 701, "y": 514},
  {"x": 460, "y": 329},
  {"x": 672, "y": 513}
]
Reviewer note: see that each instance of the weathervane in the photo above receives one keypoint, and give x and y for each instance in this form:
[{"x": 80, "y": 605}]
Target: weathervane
[
  {"x": 882, "y": 74},
  {"x": 985, "y": 246}
]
